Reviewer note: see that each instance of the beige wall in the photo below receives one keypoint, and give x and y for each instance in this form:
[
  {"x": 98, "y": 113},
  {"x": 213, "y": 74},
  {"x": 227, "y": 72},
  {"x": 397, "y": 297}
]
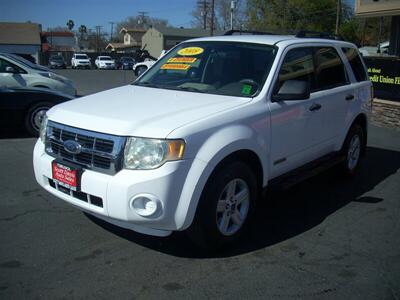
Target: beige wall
[
  {"x": 370, "y": 8},
  {"x": 154, "y": 42}
]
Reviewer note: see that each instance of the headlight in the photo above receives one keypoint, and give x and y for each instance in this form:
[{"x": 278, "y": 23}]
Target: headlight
[
  {"x": 146, "y": 154},
  {"x": 43, "y": 127}
]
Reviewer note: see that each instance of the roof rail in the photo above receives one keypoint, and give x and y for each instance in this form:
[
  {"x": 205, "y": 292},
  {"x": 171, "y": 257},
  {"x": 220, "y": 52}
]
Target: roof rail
[
  {"x": 317, "y": 34},
  {"x": 240, "y": 32}
]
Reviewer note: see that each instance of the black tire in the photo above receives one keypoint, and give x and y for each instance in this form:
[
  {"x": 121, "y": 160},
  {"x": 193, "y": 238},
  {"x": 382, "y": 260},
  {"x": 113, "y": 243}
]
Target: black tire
[
  {"x": 350, "y": 165},
  {"x": 205, "y": 231},
  {"x": 32, "y": 117}
]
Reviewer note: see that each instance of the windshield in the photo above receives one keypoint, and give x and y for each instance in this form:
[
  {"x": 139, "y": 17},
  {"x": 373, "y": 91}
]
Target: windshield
[
  {"x": 105, "y": 58},
  {"x": 224, "y": 68},
  {"x": 58, "y": 58},
  {"x": 25, "y": 62},
  {"x": 81, "y": 56}
]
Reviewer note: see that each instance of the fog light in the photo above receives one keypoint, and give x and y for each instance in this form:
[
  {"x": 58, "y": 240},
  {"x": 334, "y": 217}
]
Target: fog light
[{"x": 146, "y": 205}]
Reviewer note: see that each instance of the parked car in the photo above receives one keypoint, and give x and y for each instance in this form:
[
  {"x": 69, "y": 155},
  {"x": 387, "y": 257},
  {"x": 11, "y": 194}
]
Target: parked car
[
  {"x": 57, "y": 62},
  {"x": 16, "y": 71},
  {"x": 80, "y": 60},
  {"x": 104, "y": 62},
  {"x": 20, "y": 107},
  {"x": 194, "y": 141},
  {"x": 125, "y": 63},
  {"x": 382, "y": 48},
  {"x": 141, "y": 67}
]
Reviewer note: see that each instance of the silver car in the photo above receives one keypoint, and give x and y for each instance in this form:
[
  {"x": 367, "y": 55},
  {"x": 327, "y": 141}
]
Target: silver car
[{"x": 17, "y": 72}]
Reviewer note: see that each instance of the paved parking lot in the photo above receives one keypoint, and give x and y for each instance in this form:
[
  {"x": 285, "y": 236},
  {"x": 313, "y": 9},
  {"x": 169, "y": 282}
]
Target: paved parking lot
[
  {"x": 93, "y": 81},
  {"x": 326, "y": 238}
]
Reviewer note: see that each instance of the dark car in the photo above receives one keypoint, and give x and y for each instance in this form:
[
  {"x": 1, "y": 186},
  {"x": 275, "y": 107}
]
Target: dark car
[
  {"x": 125, "y": 63},
  {"x": 57, "y": 62},
  {"x": 26, "y": 107}
]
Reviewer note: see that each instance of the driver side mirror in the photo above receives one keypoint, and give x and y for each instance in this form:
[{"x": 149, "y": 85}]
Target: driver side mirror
[
  {"x": 293, "y": 90},
  {"x": 11, "y": 70}
]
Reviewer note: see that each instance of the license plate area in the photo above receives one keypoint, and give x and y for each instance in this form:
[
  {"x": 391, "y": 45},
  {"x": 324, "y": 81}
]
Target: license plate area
[{"x": 66, "y": 175}]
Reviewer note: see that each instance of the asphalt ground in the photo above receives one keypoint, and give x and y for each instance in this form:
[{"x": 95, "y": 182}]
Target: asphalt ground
[
  {"x": 92, "y": 81},
  {"x": 326, "y": 238}
]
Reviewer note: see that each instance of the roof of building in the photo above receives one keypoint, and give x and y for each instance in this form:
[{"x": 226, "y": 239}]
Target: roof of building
[
  {"x": 131, "y": 30},
  {"x": 185, "y": 32},
  {"x": 58, "y": 33},
  {"x": 20, "y": 33},
  {"x": 120, "y": 46}
]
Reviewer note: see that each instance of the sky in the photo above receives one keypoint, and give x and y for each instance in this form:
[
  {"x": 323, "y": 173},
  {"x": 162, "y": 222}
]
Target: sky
[{"x": 52, "y": 13}]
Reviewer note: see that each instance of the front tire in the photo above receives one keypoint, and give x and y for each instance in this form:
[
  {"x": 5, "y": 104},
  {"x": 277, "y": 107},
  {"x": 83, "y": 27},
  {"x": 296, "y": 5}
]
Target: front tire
[
  {"x": 225, "y": 207},
  {"x": 34, "y": 117}
]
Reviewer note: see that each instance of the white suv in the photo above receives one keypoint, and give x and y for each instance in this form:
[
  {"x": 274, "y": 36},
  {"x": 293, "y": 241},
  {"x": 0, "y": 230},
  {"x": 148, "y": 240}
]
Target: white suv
[
  {"x": 80, "y": 60},
  {"x": 193, "y": 142}
]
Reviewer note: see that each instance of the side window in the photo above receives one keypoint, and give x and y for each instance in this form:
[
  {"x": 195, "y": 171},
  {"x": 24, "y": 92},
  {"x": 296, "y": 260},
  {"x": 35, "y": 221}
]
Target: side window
[
  {"x": 356, "y": 64},
  {"x": 298, "y": 64},
  {"x": 4, "y": 64},
  {"x": 330, "y": 70}
]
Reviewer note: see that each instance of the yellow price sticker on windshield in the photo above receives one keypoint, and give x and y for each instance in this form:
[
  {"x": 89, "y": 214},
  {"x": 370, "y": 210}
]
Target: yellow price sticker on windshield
[
  {"x": 175, "y": 67},
  {"x": 188, "y": 60},
  {"x": 190, "y": 51}
]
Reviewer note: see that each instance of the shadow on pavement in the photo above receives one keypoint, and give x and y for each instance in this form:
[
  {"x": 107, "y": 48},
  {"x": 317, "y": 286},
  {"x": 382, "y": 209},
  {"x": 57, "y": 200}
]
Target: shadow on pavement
[
  {"x": 17, "y": 133},
  {"x": 282, "y": 215}
]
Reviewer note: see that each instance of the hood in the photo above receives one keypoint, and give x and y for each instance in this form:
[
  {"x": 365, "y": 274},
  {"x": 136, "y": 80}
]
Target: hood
[
  {"x": 82, "y": 59},
  {"x": 140, "y": 111}
]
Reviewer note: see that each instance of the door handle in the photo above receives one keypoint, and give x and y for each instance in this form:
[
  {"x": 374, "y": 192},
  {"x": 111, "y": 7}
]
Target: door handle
[
  {"x": 315, "y": 106},
  {"x": 349, "y": 97}
]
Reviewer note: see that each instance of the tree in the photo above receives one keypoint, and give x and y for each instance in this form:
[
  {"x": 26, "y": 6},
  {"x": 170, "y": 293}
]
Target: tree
[
  {"x": 293, "y": 15},
  {"x": 222, "y": 16}
]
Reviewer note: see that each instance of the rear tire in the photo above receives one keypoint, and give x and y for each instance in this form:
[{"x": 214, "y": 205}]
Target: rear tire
[
  {"x": 225, "y": 206},
  {"x": 34, "y": 117},
  {"x": 353, "y": 148}
]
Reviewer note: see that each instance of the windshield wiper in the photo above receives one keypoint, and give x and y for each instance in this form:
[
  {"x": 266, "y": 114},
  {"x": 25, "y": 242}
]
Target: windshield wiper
[
  {"x": 188, "y": 89},
  {"x": 148, "y": 84}
]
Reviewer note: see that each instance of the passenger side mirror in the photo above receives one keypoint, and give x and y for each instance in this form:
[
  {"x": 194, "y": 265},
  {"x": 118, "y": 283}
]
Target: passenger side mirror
[
  {"x": 11, "y": 70},
  {"x": 293, "y": 90}
]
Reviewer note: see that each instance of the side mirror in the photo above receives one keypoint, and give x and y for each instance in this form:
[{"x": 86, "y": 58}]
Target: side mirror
[
  {"x": 11, "y": 70},
  {"x": 293, "y": 90}
]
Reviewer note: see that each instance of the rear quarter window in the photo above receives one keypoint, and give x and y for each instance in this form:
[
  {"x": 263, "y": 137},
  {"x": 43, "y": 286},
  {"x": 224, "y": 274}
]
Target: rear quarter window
[{"x": 356, "y": 64}]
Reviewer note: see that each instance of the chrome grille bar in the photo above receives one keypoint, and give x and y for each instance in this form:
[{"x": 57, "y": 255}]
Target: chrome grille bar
[{"x": 100, "y": 152}]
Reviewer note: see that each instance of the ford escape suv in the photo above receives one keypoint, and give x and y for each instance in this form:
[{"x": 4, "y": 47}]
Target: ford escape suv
[{"x": 191, "y": 143}]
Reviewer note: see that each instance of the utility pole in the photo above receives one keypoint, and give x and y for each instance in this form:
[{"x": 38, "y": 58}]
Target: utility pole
[
  {"x": 212, "y": 18},
  {"x": 338, "y": 13},
  {"x": 203, "y": 6},
  {"x": 111, "y": 33},
  {"x": 98, "y": 28},
  {"x": 142, "y": 17},
  {"x": 233, "y": 6}
]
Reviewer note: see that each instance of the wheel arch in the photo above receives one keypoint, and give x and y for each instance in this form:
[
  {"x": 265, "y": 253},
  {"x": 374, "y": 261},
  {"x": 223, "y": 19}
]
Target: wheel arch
[
  {"x": 219, "y": 150},
  {"x": 362, "y": 120}
]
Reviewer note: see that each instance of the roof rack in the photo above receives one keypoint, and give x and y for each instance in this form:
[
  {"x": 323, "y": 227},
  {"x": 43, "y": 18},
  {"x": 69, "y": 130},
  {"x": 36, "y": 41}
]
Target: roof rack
[
  {"x": 240, "y": 32},
  {"x": 317, "y": 34}
]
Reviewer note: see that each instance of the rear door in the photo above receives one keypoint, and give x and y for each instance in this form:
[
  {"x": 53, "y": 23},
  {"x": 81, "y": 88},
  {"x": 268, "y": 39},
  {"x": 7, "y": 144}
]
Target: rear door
[{"x": 335, "y": 94}]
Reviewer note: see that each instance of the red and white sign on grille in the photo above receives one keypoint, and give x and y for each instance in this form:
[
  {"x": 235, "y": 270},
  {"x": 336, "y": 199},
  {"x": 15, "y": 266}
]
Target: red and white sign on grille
[{"x": 65, "y": 175}]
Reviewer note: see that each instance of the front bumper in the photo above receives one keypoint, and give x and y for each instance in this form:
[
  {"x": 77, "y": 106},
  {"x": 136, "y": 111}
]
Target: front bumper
[
  {"x": 116, "y": 192},
  {"x": 109, "y": 67}
]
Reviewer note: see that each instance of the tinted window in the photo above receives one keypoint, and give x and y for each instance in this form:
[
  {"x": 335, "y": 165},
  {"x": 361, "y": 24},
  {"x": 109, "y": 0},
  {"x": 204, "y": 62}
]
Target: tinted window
[
  {"x": 4, "y": 64},
  {"x": 297, "y": 65},
  {"x": 329, "y": 69},
  {"x": 356, "y": 64}
]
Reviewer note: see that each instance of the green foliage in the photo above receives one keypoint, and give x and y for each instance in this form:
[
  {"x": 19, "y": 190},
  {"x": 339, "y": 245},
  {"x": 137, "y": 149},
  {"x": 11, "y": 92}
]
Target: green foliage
[{"x": 292, "y": 15}]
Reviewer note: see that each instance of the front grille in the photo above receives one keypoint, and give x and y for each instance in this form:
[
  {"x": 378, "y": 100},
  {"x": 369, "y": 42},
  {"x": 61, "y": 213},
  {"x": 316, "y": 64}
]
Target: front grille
[
  {"x": 94, "y": 200},
  {"x": 99, "y": 152}
]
